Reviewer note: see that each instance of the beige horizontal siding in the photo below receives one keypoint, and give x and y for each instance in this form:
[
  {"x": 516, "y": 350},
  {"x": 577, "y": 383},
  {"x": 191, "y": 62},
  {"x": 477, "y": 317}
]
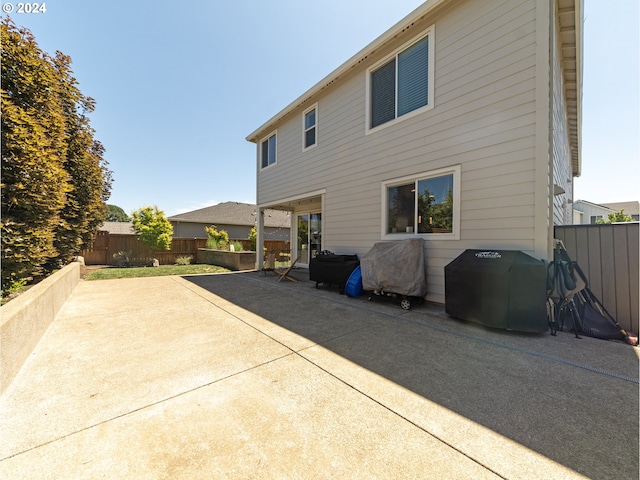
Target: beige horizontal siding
[{"x": 483, "y": 119}]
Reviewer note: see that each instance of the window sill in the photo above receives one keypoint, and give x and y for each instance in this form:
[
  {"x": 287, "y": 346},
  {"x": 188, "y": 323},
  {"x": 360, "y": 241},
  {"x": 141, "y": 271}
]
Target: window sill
[
  {"x": 306, "y": 149},
  {"x": 424, "y": 236},
  {"x": 397, "y": 120}
]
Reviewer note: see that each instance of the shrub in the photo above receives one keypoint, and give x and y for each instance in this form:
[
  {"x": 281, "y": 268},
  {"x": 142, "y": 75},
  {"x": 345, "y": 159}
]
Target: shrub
[
  {"x": 253, "y": 237},
  {"x": 184, "y": 260},
  {"x": 14, "y": 287},
  {"x": 123, "y": 259},
  {"x": 216, "y": 239}
]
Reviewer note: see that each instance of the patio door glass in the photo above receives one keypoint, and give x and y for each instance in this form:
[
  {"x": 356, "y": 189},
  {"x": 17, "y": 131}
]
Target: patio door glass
[{"x": 309, "y": 236}]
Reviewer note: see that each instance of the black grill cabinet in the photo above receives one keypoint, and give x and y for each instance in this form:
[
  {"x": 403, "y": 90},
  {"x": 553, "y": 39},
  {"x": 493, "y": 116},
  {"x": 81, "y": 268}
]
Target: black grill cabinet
[
  {"x": 332, "y": 269},
  {"x": 497, "y": 288}
]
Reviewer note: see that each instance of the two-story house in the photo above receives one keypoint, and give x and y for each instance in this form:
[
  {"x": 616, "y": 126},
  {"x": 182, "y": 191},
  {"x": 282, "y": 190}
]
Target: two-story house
[{"x": 460, "y": 125}]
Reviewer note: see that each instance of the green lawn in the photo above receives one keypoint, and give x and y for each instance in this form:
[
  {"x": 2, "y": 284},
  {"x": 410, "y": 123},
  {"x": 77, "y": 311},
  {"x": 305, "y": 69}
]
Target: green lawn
[{"x": 136, "y": 272}]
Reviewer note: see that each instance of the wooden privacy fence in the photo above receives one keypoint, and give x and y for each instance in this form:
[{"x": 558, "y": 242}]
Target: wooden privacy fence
[
  {"x": 608, "y": 256},
  {"x": 105, "y": 245}
]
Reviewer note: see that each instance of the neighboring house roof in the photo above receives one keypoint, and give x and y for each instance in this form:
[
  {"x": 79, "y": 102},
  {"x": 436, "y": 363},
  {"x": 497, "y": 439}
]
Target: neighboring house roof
[
  {"x": 233, "y": 213},
  {"x": 121, "y": 228},
  {"x": 630, "y": 208},
  {"x": 570, "y": 19},
  {"x": 577, "y": 205}
]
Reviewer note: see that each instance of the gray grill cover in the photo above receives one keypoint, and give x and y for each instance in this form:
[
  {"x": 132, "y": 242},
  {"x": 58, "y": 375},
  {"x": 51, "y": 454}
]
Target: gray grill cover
[{"x": 395, "y": 267}]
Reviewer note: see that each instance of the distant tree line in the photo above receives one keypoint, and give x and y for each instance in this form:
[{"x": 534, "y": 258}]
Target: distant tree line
[
  {"x": 55, "y": 181},
  {"x": 116, "y": 214}
]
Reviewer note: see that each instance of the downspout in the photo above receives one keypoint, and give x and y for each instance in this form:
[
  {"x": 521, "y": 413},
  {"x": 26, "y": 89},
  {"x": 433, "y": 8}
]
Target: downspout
[{"x": 543, "y": 157}]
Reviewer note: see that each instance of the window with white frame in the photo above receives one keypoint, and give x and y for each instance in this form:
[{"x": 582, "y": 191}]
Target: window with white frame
[
  {"x": 423, "y": 204},
  {"x": 402, "y": 84},
  {"x": 310, "y": 127},
  {"x": 268, "y": 151}
]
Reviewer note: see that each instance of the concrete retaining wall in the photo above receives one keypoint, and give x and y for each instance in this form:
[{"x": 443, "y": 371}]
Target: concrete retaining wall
[
  {"x": 27, "y": 317},
  {"x": 231, "y": 260}
]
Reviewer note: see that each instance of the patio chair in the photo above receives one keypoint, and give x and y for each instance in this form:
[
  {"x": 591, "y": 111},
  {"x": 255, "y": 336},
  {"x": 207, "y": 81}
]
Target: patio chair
[
  {"x": 284, "y": 272},
  {"x": 269, "y": 263}
]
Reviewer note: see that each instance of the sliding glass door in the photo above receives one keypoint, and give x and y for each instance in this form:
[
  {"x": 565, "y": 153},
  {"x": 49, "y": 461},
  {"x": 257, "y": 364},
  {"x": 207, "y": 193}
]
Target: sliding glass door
[{"x": 309, "y": 236}]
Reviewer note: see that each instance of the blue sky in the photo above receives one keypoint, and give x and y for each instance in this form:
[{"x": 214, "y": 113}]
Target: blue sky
[{"x": 179, "y": 85}]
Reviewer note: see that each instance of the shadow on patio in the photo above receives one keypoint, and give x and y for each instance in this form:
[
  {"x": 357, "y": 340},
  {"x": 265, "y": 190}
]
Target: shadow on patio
[{"x": 572, "y": 401}]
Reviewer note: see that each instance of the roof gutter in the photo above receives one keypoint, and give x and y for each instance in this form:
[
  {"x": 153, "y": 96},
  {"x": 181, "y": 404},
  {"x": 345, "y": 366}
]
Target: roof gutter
[
  {"x": 579, "y": 17},
  {"x": 353, "y": 62}
]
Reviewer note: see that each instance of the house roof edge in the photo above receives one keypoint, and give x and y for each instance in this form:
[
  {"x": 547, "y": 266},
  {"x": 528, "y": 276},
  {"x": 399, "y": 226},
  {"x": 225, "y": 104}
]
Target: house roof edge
[{"x": 345, "y": 67}]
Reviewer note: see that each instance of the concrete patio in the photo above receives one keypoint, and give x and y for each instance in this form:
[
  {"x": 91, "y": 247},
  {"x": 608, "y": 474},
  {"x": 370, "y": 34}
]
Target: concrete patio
[{"x": 239, "y": 376}]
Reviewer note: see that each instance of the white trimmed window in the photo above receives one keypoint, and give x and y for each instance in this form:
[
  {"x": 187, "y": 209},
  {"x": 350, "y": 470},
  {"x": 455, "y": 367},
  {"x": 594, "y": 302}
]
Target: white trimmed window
[
  {"x": 310, "y": 127},
  {"x": 401, "y": 85},
  {"x": 424, "y": 204},
  {"x": 268, "y": 150}
]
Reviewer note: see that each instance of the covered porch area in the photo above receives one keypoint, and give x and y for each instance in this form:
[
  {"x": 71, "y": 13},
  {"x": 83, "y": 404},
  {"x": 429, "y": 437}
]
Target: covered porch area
[{"x": 305, "y": 230}]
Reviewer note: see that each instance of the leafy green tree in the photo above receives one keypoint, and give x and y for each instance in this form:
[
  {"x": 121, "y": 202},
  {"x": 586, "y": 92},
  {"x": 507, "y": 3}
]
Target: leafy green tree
[
  {"x": 54, "y": 178},
  {"x": 617, "y": 217},
  {"x": 152, "y": 228},
  {"x": 116, "y": 214}
]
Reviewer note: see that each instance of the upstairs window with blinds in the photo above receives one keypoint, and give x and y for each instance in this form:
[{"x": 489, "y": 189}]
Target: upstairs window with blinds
[
  {"x": 403, "y": 84},
  {"x": 268, "y": 151}
]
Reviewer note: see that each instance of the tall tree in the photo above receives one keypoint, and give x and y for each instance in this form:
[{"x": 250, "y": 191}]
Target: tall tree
[
  {"x": 85, "y": 208},
  {"x": 54, "y": 177},
  {"x": 116, "y": 214},
  {"x": 34, "y": 181}
]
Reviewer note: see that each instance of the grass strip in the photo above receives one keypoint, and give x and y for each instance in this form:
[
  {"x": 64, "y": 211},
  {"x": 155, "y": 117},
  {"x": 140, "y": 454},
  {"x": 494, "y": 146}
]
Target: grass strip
[{"x": 111, "y": 273}]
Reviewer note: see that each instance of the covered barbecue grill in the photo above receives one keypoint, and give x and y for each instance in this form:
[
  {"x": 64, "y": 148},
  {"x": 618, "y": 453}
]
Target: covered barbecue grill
[
  {"x": 396, "y": 270},
  {"x": 497, "y": 288}
]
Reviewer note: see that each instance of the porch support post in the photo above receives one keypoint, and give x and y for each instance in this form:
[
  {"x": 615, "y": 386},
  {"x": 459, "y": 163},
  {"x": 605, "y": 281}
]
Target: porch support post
[{"x": 260, "y": 238}]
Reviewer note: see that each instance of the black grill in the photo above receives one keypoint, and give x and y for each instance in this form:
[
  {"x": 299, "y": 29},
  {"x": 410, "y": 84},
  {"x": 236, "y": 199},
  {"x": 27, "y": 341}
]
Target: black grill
[
  {"x": 497, "y": 288},
  {"x": 332, "y": 269}
]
